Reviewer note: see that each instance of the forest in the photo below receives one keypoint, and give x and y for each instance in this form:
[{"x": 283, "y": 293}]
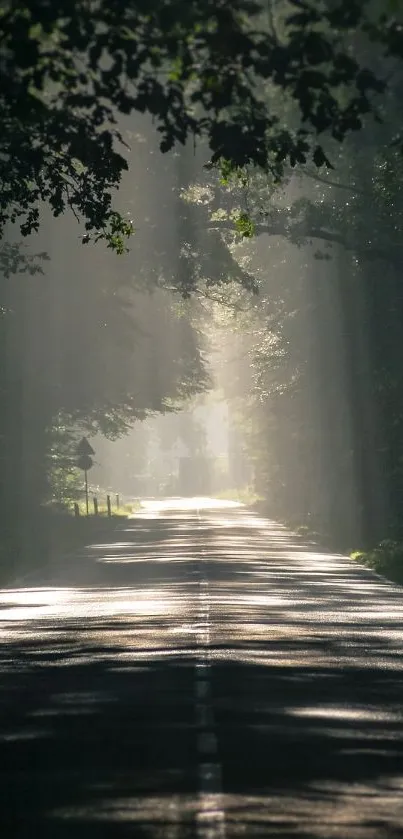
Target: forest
[{"x": 179, "y": 176}]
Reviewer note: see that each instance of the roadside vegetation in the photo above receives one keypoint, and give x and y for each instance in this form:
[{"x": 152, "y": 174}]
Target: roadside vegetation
[
  {"x": 244, "y": 495},
  {"x": 386, "y": 559}
]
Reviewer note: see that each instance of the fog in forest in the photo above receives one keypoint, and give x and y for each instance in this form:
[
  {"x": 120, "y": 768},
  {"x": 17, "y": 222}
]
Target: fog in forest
[
  {"x": 248, "y": 344},
  {"x": 265, "y": 395},
  {"x": 201, "y": 419}
]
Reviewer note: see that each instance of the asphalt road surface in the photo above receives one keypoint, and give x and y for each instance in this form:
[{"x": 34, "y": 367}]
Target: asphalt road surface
[{"x": 201, "y": 676}]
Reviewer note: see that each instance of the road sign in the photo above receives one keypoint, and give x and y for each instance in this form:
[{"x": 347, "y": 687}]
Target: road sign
[
  {"x": 84, "y": 462},
  {"x": 84, "y": 448}
]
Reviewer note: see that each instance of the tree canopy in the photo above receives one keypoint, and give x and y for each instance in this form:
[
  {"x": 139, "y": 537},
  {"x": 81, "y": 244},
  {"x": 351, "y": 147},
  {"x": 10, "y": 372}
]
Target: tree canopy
[{"x": 204, "y": 69}]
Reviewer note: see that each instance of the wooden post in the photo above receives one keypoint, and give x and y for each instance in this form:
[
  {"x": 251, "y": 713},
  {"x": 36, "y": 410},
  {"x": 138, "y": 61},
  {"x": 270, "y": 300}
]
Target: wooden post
[
  {"x": 117, "y": 501},
  {"x": 108, "y": 504},
  {"x": 86, "y": 492},
  {"x": 76, "y": 509},
  {"x": 95, "y": 499}
]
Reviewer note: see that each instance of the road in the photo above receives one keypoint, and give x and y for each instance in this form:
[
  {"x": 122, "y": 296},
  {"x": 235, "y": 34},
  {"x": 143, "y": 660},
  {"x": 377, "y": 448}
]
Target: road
[{"x": 201, "y": 675}]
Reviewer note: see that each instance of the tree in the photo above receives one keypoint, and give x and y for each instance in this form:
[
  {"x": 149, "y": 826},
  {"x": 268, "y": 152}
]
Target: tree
[
  {"x": 321, "y": 405},
  {"x": 202, "y": 69},
  {"x": 83, "y": 349}
]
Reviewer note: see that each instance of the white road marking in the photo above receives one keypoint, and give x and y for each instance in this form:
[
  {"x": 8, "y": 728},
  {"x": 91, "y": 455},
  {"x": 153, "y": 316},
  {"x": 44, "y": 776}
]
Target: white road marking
[
  {"x": 207, "y": 743},
  {"x": 202, "y": 689},
  {"x": 210, "y": 817},
  {"x": 204, "y": 716},
  {"x": 210, "y": 777}
]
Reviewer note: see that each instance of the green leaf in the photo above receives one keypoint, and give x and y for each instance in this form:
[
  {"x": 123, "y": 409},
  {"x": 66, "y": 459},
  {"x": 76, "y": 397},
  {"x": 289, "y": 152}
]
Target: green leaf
[{"x": 244, "y": 226}]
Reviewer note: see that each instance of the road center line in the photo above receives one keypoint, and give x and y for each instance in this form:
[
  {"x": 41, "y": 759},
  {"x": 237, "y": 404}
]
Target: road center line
[
  {"x": 210, "y": 817},
  {"x": 202, "y": 689}
]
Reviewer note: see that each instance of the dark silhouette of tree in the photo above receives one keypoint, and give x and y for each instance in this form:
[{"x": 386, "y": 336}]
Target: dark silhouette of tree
[{"x": 201, "y": 69}]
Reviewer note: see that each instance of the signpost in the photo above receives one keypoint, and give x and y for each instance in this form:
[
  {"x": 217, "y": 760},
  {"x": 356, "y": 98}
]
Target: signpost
[{"x": 84, "y": 462}]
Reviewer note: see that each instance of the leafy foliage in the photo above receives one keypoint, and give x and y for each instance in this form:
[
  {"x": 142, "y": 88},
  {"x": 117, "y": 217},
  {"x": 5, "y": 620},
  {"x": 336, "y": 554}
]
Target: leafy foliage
[
  {"x": 201, "y": 69},
  {"x": 83, "y": 352},
  {"x": 64, "y": 480},
  {"x": 244, "y": 226},
  {"x": 386, "y": 559}
]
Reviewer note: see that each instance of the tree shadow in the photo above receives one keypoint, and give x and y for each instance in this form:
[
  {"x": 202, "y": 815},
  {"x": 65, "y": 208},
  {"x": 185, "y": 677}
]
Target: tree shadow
[
  {"x": 94, "y": 745},
  {"x": 99, "y": 731}
]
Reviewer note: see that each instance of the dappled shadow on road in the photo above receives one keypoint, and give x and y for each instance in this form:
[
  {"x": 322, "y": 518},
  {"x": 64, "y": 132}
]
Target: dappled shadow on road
[
  {"x": 98, "y": 734},
  {"x": 95, "y": 745},
  {"x": 311, "y": 752},
  {"x": 308, "y": 678},
  {"x": 97, "y": 730},
  {"x": 99, "y": 742}
]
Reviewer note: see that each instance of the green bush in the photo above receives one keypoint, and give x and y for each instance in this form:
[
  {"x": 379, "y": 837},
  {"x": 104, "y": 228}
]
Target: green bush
[{"x": 386, "y": 558}]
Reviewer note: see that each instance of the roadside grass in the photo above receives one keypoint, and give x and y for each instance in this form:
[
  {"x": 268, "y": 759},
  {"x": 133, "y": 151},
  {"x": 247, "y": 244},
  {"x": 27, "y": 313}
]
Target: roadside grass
[
  {"x": 307, "y": 532},
  {"x": 386, "y": 559},
  {"x": 244, "y": 496},
  {"x": 123, "y": 510}
]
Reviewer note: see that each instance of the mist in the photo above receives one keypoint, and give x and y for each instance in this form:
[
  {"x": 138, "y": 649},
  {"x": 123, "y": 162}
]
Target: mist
[
  {"x": 201, "y": 419},
  {"x": 203, "y": 361}
]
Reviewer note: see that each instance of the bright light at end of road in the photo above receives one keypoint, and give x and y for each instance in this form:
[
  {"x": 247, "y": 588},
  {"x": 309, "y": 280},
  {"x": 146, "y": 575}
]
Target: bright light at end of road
[{"x": 158, "y": 505}]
